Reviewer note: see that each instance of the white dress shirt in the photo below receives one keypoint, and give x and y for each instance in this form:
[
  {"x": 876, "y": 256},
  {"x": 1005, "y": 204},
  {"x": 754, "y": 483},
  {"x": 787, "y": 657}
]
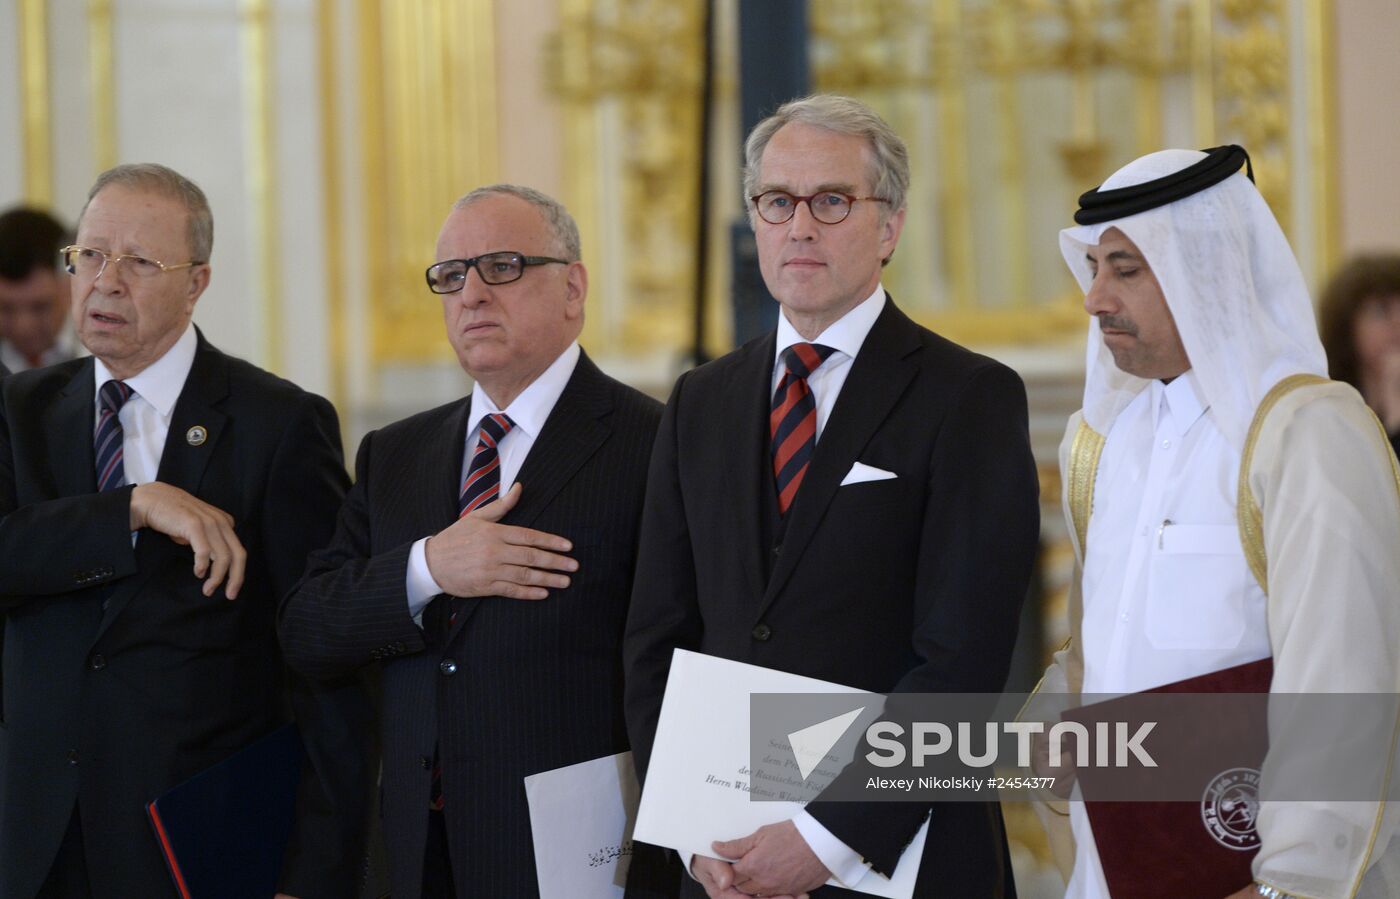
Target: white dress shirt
[
  {"x": 1167, "y": 591},
  {"x": 145, "y": 417},
  {"x": 529, "y": 411},
  {"x": 845, "y": 336}
]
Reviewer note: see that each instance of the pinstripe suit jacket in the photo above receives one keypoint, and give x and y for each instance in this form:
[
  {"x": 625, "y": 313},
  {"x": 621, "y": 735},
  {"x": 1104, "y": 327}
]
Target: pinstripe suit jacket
[{"x": 533, "y": 685}]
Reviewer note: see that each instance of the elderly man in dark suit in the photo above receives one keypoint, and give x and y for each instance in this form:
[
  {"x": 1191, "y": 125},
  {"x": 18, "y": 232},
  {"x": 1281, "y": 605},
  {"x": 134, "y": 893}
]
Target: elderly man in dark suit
[
  {"x": 851, "y": 498},
  {"x": 156, "y": 502},
  {"x": 484, "y": 557}
]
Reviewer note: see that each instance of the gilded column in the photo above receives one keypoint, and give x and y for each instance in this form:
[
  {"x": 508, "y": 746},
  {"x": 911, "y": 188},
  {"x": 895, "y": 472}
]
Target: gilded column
[{"x": 35, "y": 101}]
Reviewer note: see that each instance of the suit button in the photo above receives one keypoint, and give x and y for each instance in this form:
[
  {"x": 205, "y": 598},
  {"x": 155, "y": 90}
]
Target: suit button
[
  {"x": 73, "y": 758},
  {"x": 762, "y": 632},
  {"x": 426, "y": 762},
  {"x": 97, "y": 662},
  {"x": 777, "y": 550},
  {"x": 448, "y": 667}
]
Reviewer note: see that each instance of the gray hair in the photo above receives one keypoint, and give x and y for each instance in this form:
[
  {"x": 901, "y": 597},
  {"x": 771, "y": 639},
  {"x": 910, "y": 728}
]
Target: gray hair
[
  {"x": 889, "y": 175},
  {"x": 562, "y": 225},
  {"x": 156, "y": 178}
]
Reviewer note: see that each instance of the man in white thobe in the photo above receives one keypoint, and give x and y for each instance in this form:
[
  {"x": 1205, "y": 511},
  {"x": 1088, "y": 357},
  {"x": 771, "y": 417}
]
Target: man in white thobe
[{"x": 1198, "y": 300}]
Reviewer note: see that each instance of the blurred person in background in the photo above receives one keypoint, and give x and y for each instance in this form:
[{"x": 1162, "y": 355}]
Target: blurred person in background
[
  {"x": 1360, "y": 323},
  {"x": 33, "y": 302}
]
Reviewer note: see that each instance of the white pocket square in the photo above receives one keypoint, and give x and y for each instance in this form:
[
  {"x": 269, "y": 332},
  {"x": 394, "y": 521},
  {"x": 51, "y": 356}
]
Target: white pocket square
[{"x": 860, "y": 473}]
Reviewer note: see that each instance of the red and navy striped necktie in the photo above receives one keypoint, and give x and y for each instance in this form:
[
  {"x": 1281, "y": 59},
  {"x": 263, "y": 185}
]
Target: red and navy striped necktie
[
  {"x": 483, "y": 482},
  {"x": 793, "y": 421},
  {"x": 107, "y": 442},
  {"x": 481, "y": 486}
]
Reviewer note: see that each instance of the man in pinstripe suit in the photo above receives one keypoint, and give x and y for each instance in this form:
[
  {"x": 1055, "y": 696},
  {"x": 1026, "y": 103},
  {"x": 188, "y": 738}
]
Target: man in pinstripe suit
[{"x": 484, "y": 558}]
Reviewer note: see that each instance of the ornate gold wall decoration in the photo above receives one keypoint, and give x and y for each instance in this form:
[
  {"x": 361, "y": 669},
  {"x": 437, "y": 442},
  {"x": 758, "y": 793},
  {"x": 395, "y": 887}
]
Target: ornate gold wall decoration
[
  {"x": 102, "y": 84},
  {"x": 260, "y": 90},
  {"x": 429, "y": 119},
  {"x": 630, "y": 74},
  {"x": 35, "y": 101},
  {"x": 1252, "y": 98},
  {"x": 987, "y": 69},
  {"x": 334, "y": 204},
  {"x": 1093, "y": 82},
  {"x": 1011, "y": 108}
]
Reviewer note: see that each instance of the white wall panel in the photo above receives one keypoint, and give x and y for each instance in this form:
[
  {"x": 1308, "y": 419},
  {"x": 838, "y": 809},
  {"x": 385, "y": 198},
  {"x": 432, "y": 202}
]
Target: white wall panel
[
  {"x": 11, "y": 115},
  {"x": 179, "y": 86}
]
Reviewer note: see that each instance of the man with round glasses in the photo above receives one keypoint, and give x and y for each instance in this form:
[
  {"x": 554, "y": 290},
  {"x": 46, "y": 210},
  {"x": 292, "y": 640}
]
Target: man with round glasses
[
  {"x": 484, "y": 557},
  {"x": 850, "y": 498},
  {"x": 156, "y": 501}
]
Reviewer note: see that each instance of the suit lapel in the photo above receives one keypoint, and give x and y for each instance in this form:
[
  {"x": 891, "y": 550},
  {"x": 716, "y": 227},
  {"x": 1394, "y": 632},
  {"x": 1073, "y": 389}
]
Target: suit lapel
[
  {"x": 572, "y": 433},
  {"x": 69, "y": 426},
  {"x": 878, "y": 377},
  {"x": 440, "y": 491},
  {"x": 743, "y": 422},
  {"x": 196, "y": 426}
]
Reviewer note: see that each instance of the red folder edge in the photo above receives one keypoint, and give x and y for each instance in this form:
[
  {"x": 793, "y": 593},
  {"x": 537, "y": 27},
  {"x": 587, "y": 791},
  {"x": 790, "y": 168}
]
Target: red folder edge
[{"x": 165, "y": 850}]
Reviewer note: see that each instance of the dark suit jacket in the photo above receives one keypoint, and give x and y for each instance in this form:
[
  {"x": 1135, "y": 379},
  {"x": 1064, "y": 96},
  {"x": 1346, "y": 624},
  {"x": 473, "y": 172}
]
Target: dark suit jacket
[
  {"x": 905, "y": 585},
  {"x": 520, "y": 687},
  {"x": 121, "y": 678}
]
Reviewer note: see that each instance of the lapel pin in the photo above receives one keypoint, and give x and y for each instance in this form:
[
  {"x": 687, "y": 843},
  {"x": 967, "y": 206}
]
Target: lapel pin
[{"x": 196, "y": 435}]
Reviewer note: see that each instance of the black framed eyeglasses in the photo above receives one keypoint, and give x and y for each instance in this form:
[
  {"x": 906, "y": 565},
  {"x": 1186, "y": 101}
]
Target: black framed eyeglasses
[
  {"x": 450, "y": 275},
  {"x": 830, "y": 207}
]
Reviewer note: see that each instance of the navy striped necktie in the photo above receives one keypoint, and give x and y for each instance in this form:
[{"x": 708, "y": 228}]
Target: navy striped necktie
[
  {"x": 483, "y": 481},
  {"x": 793, "y": 421},
  {"x": 107, "y": 442}
]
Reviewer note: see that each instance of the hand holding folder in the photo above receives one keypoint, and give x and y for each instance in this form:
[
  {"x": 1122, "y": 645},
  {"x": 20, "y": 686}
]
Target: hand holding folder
[{"x": 1177, "y": 848}]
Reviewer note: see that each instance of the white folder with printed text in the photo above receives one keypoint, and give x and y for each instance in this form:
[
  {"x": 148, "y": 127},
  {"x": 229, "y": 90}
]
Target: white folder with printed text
[
  {"x": 703, "y": 729},
  {"x": 581, "y": 819}
]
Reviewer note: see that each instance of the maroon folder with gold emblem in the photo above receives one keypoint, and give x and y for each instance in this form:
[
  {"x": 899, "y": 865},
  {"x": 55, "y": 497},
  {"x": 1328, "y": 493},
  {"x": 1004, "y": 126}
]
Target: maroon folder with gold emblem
[{"x": 1191, "y": 832}]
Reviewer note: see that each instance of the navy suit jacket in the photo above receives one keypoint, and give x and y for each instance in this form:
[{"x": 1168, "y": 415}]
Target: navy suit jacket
[
  {"x": 121, "y": 679},
  {"x": 912, "y": 584}
]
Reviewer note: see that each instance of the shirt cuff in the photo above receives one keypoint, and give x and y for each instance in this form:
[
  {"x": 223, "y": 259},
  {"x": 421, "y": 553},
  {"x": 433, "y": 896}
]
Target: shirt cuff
[
  {"x": 418, "y": 582},
  {"x": 845, "y": 864}
]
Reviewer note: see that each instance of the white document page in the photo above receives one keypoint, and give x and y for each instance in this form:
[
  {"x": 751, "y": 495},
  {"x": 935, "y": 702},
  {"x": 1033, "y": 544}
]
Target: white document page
[
  {"x": 581, "y": 819},
  {"x": 702, "y": 751}
]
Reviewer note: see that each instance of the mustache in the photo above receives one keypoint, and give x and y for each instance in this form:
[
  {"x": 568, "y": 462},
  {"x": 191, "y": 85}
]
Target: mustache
[{"x": 1118, "y": 323}]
